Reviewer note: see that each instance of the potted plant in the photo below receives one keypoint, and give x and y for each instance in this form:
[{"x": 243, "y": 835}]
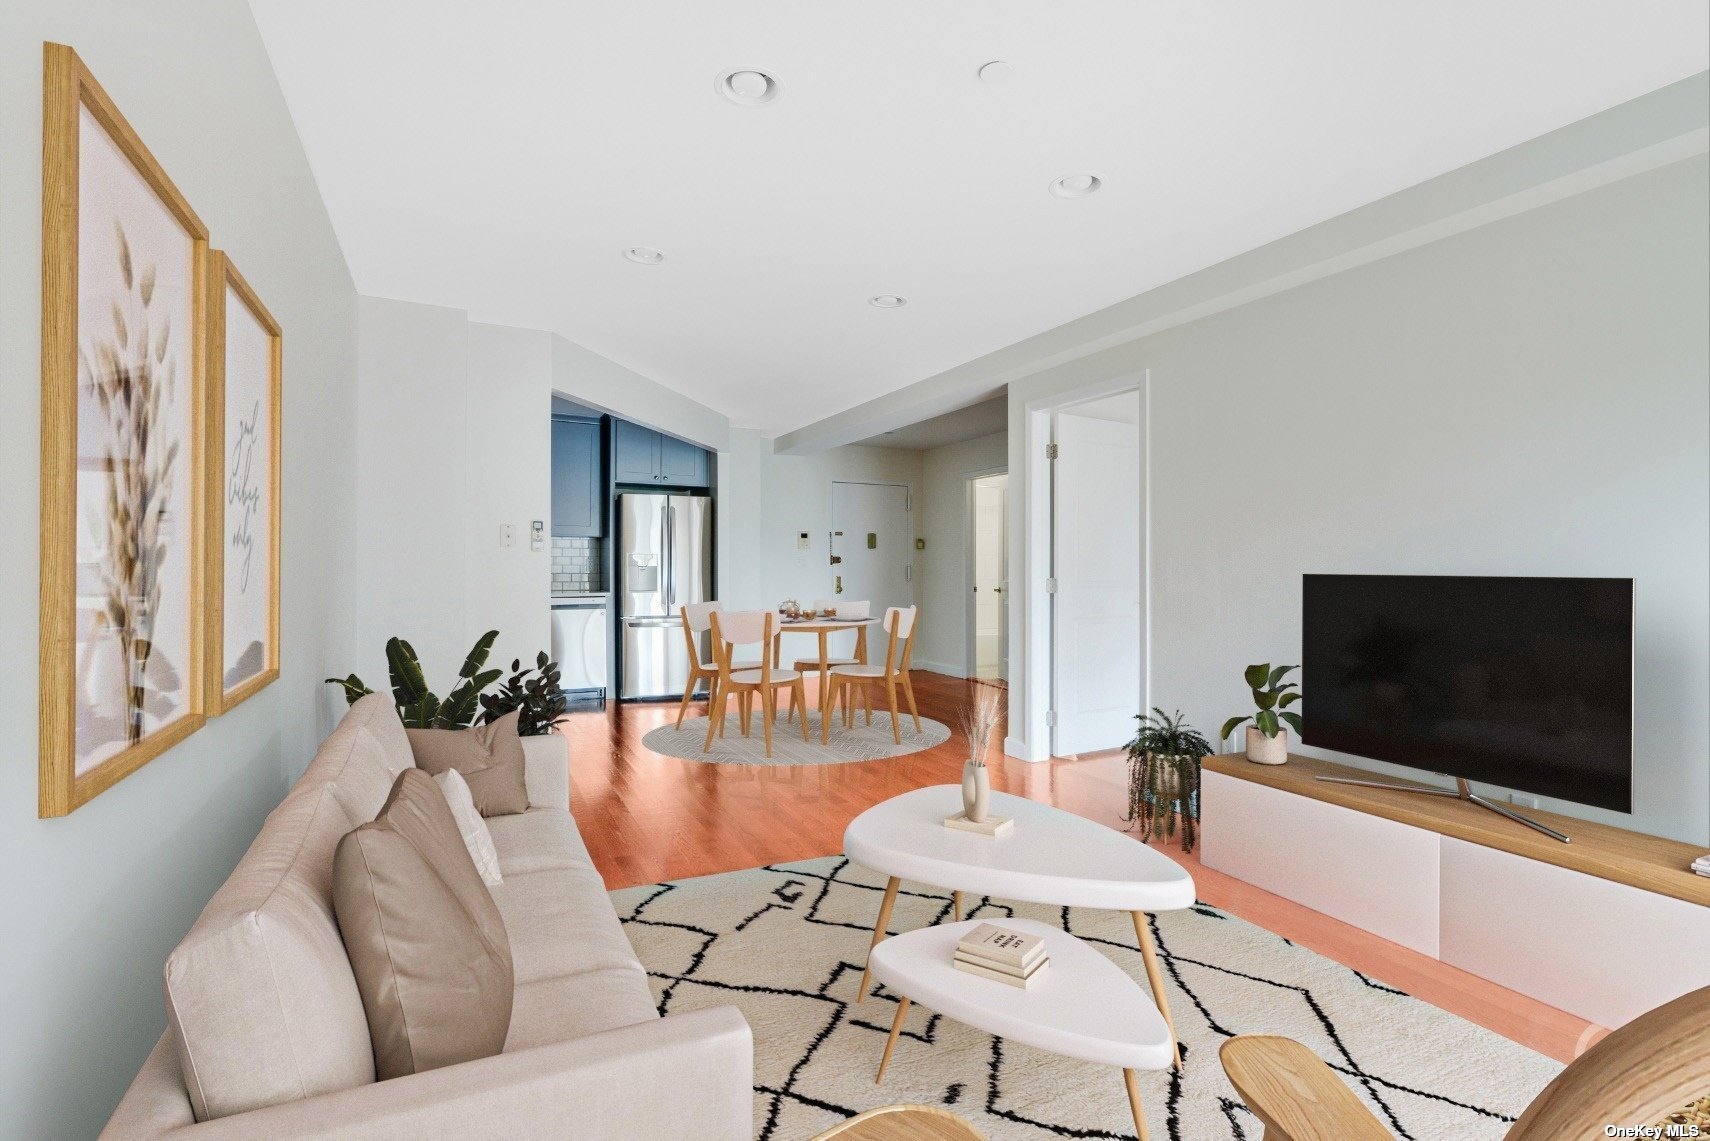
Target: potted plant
[
  {"x": 1267, "y": 740},
  {"x": 539, "y": 698},
  {"x": 1163, "y": 776}
]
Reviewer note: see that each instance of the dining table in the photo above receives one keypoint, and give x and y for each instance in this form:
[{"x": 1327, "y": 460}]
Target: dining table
[{"x": 824, "y": 628}]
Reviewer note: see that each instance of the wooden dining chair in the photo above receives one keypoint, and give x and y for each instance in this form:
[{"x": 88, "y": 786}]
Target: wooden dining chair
[
  {"x": 901, "y": 625},
  {"x": 845, "y": 609},
  {"x": 697, "y": 620},
  {"x": 733, "y": 628}
]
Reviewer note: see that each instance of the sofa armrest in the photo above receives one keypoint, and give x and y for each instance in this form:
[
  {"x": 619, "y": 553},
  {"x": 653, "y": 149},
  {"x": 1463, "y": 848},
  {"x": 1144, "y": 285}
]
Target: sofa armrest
[
  {"x": 685, "y": 1076},
  {"x": 546, "y": 770}
]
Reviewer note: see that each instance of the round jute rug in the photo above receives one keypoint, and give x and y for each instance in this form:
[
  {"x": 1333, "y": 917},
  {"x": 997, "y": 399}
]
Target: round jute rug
[{"x": 860, "y": 742}]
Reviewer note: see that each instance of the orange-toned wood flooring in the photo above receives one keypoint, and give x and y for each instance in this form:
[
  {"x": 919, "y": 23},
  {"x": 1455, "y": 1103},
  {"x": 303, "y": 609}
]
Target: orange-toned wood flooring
[{"x": 648, "y": 818}]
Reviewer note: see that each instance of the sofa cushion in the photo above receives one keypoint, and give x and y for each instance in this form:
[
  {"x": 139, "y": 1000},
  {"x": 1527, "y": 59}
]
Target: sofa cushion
[
  {"x": 537, "y": 840},
  {"x": 490, "y": 757},
  {"x": 362, "y": 757},
  {"x": 571, "y": 1006},
  {"x": 561, "y": 922},
  {"x": 470, "y": 826},
  {"x": 260, "y": 997},
  {"x": 425, "y": 940}
]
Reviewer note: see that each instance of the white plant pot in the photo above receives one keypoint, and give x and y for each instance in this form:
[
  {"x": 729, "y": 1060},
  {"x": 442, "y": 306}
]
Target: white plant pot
[
  {"x": 976, "y": 791},
  {"x": 1263, "y": 750}
]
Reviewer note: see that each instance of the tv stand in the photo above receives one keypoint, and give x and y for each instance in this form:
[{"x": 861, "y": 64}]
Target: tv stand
[
  {"x": 1606, "y": 927},
  {"x": 1461, "y": 791}
]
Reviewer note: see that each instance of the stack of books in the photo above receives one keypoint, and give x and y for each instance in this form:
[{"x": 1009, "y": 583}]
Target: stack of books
[
  {"x": 1702, "y": 864},
  {"x": 1003, "y": 955}
]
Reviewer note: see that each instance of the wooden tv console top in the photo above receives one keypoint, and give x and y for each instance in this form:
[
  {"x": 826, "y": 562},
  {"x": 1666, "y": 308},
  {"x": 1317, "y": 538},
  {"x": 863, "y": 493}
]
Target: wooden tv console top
[{"x": 1648, "y": 862}]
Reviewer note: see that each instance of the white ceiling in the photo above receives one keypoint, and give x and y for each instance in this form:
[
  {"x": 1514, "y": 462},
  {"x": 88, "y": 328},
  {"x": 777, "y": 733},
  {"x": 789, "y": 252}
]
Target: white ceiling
[
  {"x": 498, "y": 157},
  {"x": 986, "y": 418}
]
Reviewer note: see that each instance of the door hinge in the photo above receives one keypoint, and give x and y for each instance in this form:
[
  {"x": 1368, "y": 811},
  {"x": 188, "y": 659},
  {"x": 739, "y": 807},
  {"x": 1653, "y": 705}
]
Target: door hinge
[
  {"x": 1050, "y": 451},
  {"x": 1051, "y": 718},
  {"x": 1050, "y": 586}
]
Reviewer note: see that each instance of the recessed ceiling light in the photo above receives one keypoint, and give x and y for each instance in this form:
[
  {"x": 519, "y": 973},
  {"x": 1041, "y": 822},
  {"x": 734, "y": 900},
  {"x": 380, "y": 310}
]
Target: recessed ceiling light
[
  {"x": 888, "y": 301},
  {"x": 1076, "y": 185},
  {"x": 997, "y": 71},
  {"x": 644, "y": 255},
  {"x": 748, "y": 86}
]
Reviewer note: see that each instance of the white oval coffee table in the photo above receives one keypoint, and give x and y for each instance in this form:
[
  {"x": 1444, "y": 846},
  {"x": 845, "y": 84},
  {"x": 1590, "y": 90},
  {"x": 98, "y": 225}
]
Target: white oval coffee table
[
  {"x": 1049, "y": 856},
  {"x": 1084, "y": 1007}
]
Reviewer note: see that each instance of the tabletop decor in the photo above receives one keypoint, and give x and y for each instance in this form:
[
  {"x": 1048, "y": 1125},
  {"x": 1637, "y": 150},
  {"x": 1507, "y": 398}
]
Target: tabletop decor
[
  {"x": 244, "y": 364},
  {"x": 1267, "y": 740},
  {"x": 1163, "y": 776},
  {"x": 123, "y": 537},
  {"x": 979, "y": 721}
]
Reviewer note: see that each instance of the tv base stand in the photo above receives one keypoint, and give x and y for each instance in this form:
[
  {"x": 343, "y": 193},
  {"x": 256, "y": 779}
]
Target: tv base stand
[{"x": 1461, "y": 791}]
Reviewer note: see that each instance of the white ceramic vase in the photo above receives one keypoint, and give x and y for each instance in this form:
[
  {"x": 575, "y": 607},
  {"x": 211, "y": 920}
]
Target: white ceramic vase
[
  {"x": 976, "y": 791},
  {"x": 1265, "y": 750}
]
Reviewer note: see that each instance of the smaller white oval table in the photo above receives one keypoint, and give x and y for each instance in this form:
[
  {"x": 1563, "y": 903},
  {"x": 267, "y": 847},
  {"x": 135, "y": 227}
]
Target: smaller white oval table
[
  {"x": 1084, "y": 1006},
  {"x": 1050, "y": 856}
]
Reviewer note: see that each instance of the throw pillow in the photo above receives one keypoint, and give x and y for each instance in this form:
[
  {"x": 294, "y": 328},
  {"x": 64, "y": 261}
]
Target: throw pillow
[
  {"x": 426, "y": 942},
  {"x": 490, "y": 757},
  {"x": 476, "y": 838}
]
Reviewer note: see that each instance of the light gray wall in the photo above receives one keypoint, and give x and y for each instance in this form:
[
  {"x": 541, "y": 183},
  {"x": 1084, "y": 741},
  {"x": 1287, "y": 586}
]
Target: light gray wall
[
  {"x": 454, "y": 441},
  {"x": 1531, "y": 397},
  {"x": 94, "y": 901},
  {"x": 943, "y": 566}
]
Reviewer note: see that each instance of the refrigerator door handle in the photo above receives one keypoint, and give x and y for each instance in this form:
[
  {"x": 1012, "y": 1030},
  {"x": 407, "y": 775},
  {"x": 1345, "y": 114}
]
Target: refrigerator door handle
[{"x": 670, "y": 556}]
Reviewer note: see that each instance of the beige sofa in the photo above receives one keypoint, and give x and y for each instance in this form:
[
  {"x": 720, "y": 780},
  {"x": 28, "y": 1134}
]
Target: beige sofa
[{"x": 264, "y": 1016}]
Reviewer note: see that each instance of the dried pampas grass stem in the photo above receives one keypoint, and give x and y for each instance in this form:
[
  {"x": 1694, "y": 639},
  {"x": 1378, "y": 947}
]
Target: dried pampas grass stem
[{"x": 980, "y": 720}]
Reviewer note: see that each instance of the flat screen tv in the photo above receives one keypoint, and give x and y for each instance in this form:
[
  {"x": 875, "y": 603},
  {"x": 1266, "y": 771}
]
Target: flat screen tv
[{"x": 1526, "y": 683}]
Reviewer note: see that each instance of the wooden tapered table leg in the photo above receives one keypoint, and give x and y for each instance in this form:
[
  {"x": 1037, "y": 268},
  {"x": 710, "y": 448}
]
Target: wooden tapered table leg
[
  {"x": 879, "y": 930},
  {"x": 1128, "y": 1079},
  {"x": 1154, "y": 976},
  {"x": 891, "y": 1042},
  {"x": 956, "y": 905}
]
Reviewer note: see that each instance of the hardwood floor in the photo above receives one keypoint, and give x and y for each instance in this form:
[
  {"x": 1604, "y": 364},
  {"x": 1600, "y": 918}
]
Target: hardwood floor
[{"x": 648, "y": 818}]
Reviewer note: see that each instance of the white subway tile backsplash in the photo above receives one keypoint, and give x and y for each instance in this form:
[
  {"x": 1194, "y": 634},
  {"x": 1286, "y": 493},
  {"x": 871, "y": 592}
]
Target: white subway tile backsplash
[{"x": 577, "y": 565}]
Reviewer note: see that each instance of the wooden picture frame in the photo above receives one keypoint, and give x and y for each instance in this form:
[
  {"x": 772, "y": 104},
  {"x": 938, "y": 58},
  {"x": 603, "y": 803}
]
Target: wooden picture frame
[
  {"x": 122, "y": 513},
  {"x": 242, "y": 490}
]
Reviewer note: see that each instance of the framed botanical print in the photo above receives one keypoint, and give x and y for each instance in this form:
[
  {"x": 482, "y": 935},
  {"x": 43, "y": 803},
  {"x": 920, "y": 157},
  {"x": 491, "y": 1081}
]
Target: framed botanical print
[
  {"x": 244, "y": 373},
  {"x": 124, "y": 260}
]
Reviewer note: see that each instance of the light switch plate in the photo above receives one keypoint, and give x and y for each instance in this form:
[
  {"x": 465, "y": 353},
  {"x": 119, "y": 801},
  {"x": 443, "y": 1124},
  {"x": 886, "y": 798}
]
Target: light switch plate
[{"x": 507, "y": 534}]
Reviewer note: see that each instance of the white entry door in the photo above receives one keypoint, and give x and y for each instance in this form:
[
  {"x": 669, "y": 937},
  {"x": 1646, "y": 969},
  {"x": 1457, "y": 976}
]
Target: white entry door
[
  {"x": 873, "y": 536},
  {"x": 1097, "y": 685}
]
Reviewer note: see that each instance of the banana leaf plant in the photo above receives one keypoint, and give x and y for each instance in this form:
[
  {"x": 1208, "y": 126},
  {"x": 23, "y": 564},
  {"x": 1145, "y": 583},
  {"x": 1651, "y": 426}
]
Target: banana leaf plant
[
  {"x": 1273, "y": 696},
  {"x": 1163, "y": 777},
  {"x": 418, "y": 706}
]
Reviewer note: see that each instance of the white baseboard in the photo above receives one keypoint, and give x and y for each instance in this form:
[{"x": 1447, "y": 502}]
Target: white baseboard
[
  {"x": 1017, "y": 748},
  {"x": 939, "y": 668}
]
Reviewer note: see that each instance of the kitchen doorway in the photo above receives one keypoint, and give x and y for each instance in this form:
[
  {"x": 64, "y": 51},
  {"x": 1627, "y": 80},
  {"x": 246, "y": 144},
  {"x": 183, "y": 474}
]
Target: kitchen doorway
[{"x": 988, "y": 573}]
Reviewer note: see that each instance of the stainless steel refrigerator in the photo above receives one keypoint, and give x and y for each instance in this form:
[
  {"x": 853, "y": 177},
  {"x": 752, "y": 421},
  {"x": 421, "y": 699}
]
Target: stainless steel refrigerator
[{"x": 665, "y": 553}]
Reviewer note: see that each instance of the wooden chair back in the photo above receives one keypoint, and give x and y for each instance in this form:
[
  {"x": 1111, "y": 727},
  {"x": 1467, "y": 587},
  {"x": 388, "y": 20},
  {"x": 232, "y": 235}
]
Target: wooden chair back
[
  {"x": 900, "y": 623},
  {"x": 733, "y": 628},
  {"x": 697, "y": 620}
]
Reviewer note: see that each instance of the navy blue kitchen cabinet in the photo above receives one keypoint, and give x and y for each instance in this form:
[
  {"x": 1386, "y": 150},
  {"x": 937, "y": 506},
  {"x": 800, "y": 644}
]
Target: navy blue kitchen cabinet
[
  {"x": 652, "y": 459},
  {"x": 578, "y": 494}
]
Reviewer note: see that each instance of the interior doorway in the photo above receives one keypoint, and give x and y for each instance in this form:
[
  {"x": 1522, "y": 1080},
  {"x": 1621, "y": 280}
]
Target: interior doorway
[
  {"x": 1087, "y": 590},
  {"x": 988, "y": 574}
]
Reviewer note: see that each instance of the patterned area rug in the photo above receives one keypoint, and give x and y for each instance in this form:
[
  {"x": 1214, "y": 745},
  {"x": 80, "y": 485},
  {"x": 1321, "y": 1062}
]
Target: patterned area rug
[
  {"x": 786, "y": 944},
  {"x": 862, "y": 742}
]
